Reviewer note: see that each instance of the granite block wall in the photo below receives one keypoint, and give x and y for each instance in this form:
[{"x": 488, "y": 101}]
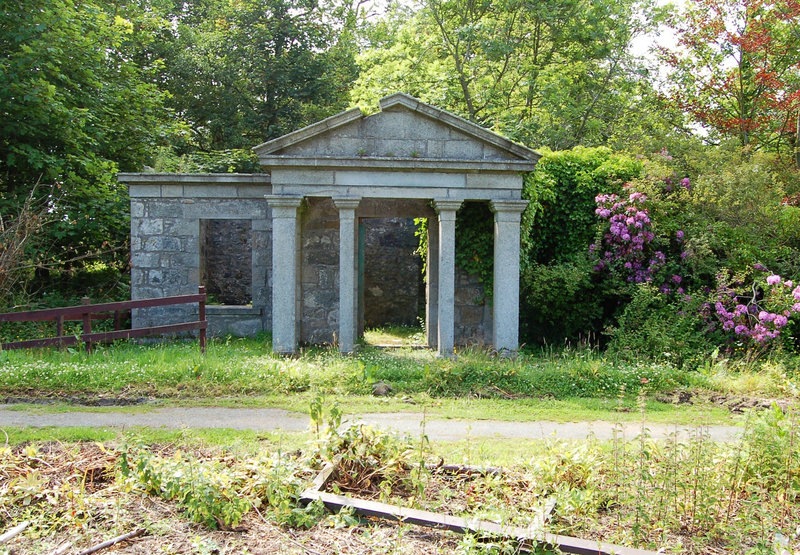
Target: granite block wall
[
  {"x": 473, "y": 312},
  {"x": 226, "y": 265},
  {"x": 319, "y": 271},
  {"x": 167, "y": 243},
  {"x": 394, "y": 287}
]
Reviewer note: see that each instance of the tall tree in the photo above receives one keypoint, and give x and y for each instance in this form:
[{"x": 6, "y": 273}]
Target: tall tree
[
  {"x": 556, "y": 72},
  {"x": 241, "y": 71},
  {"x": 73, "y": 110},
  {"x": 736, "y": 68}
]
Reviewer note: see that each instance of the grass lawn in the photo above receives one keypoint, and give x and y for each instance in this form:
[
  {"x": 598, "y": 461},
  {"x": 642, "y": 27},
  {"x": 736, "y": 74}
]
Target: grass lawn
[{"x": 567, "y": 385}]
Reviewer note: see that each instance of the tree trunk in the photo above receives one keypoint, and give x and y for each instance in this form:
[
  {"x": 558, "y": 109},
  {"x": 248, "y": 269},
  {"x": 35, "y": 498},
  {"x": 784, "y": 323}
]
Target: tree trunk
[{"x": 797, "y": 142}]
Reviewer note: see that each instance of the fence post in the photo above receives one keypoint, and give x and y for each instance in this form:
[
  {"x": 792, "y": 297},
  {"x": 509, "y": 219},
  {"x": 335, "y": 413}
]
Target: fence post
[
  {"x": 87, "y": 323},
  {"x": 202, "y": 317},
  {"x": 60, "y": 330}
]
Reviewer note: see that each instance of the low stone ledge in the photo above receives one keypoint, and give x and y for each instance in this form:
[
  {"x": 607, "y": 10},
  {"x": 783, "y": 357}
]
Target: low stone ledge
[
  {"x": 239, "y": 320},
  {"x": 232, "y": 310}
]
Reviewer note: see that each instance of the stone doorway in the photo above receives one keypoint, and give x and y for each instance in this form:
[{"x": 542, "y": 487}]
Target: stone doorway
[{"x": 391, "y": 283}]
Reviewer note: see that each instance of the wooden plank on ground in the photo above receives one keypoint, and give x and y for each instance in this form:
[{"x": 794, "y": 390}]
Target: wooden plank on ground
[{"x": 530, "y": 535}]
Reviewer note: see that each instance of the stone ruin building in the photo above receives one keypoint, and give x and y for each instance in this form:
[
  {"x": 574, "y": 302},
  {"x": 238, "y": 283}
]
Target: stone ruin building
[{"x": 320, "y": 244}]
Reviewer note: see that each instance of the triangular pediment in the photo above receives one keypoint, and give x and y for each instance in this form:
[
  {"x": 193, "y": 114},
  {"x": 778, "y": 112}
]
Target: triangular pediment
[{"x": 405, "y": 128}]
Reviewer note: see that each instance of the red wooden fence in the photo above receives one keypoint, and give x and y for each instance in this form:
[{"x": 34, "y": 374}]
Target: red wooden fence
[{"x": 88, "y": 312}]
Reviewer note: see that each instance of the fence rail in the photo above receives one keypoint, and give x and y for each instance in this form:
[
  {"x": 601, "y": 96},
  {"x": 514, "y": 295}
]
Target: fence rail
[{"x": 116, "y": 310}]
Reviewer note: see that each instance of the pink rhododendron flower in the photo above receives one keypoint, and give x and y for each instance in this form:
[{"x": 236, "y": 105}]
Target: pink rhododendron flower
[{"x": 774, "y": 279}]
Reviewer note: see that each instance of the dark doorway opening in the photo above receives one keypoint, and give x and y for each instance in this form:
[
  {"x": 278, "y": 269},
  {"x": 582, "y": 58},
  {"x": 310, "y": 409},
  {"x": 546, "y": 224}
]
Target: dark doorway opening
[{"x": 226, "y": 261}]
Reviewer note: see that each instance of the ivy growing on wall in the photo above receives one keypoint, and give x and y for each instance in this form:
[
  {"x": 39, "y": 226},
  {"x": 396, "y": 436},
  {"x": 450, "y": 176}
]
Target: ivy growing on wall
[
  {"x": 475, "y": 243},
  {"x": 560, "y": 220}
]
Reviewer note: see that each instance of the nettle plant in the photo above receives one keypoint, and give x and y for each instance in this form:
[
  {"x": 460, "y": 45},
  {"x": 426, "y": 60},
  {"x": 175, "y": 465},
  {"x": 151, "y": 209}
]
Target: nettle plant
[{"x": 756, "y": 312}]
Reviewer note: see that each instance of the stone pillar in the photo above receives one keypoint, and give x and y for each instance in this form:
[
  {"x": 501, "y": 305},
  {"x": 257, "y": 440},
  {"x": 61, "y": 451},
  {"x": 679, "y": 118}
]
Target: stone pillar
[
  {"x": 505, "y": 302},
  {"x": 347, "y": 272},
  {"x": 432, "y": 285},
  {"x": 284, "y": 272},
  {"x": 446, "y": 210}
]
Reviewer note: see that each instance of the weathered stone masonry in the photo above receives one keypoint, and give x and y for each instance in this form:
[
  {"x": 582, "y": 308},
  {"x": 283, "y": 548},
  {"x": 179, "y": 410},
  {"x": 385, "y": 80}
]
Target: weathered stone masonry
[
  {"x": 166, "y": 215},
  {"x": 307, "y": 215}
]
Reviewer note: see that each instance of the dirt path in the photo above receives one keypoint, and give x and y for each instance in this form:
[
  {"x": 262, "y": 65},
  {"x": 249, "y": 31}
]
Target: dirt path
[{"x": 267, "y": 419}]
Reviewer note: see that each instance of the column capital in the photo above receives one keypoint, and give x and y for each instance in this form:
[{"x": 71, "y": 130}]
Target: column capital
[
  {"x": 447, "y": 207},
  {"x": 508, "y": 210},
  {"x": 346, "y": 203},
  {"x": 510, "y": 206},
  {"x": 283, "y": 201}
]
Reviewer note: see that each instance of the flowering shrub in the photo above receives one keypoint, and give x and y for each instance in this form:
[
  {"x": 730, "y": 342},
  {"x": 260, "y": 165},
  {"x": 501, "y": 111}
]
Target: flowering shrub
[
  {"x": 757, "y": 313},
  {"x": 623, "y": 247}
]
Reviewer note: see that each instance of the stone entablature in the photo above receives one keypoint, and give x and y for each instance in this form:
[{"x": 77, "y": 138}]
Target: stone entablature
[{"x": 322, "y": 180}]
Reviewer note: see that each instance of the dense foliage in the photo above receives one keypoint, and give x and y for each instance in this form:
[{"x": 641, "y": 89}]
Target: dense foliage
[{"x": 88, "y": 89}]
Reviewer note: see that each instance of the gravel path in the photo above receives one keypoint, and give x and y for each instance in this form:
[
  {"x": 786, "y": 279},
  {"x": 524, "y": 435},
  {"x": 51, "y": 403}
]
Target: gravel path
[{"x": 277, "y": 419}]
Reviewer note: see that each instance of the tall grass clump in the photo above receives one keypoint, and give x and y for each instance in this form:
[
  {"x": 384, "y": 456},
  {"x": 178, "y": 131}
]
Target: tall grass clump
[{"x": 688, "y": 496}]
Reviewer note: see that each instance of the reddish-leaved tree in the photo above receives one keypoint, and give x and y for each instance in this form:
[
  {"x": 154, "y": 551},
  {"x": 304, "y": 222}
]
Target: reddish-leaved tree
[{"x": 736, "y": 68}]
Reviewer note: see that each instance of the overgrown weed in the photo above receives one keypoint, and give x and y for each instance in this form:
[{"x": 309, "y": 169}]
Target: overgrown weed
[{"x": 692, "y": 496}]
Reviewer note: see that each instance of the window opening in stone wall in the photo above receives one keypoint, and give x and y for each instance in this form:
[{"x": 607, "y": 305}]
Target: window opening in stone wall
[
  {"x": 226, "y": 264},
  {"x": 393, "y": 283}
]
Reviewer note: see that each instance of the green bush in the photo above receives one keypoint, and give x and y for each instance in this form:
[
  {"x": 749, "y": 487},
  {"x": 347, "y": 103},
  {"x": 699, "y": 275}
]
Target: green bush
[
  {"x": 560, "y": 220},
  {"x": 560, "y": 300},
  {"x": 560, "y": 293},
  {"x": 661, "y": 327},
  {"x": 234, "y": 160}
]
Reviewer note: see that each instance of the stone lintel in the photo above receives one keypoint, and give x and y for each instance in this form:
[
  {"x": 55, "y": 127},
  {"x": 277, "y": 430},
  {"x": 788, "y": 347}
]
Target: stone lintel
[
  {"x": 397, "y": 163},
  {"x": 407, "y": 193},
  {"x": 146, "y": 178}
]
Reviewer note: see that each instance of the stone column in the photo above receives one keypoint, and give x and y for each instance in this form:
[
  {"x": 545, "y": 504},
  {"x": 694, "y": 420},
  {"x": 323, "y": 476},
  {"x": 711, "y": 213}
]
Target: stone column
[
  {"x": 446, "y": 210},
  {"x": 284, "y": 272},
  {"x": 347, "y": 272},
  {"x": 505, "y": 302},
  {"x": 432, "y": 285}
]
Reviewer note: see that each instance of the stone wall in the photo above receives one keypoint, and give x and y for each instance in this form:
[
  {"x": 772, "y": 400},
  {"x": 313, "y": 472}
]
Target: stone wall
[
  {"x": 319, "y": 271},
  {"x": 473, "y": 312},
  {"x": 394, "y": 288},
  {"x": 226, "y": 261},
  {"x": 166, "y": 240}
]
